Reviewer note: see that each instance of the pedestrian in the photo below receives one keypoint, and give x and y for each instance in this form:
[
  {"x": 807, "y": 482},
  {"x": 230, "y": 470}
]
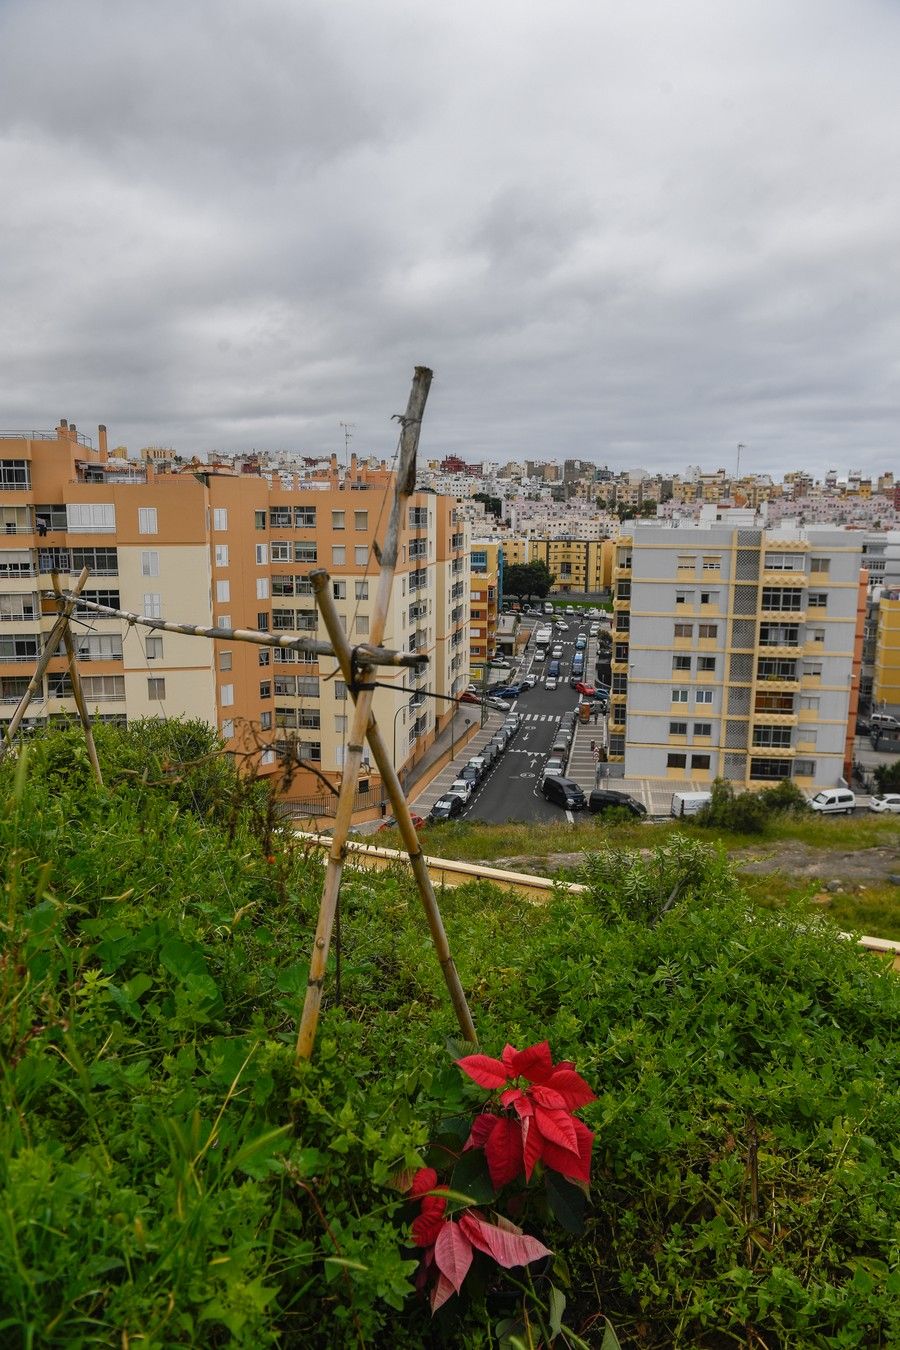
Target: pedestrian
[{"x": 596, "y": 713}]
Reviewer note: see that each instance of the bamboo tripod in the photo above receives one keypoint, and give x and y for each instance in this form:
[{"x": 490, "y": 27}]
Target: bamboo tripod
[{"x": 356, "y": 665}]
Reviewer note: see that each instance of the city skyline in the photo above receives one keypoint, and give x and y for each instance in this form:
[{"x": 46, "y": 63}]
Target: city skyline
[{"x": 637, "y": 237}]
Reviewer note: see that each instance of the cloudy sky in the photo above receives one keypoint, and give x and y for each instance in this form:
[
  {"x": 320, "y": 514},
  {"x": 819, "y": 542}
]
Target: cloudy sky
[{"x": 634, "y": 233}]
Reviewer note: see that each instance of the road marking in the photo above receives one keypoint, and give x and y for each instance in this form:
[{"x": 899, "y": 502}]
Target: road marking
[{"x": 570, "y": 818}]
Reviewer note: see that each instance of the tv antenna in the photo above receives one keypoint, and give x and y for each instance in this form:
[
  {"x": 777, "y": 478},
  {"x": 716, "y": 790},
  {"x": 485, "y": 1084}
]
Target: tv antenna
[{"x": 348, "y": 429}]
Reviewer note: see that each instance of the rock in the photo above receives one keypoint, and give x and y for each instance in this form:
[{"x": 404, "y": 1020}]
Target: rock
[
  {"x": 894, "y": 878},
  {"x": 834, "y": 885}
]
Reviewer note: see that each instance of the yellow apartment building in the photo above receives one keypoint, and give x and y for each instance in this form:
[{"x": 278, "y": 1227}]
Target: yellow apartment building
[
  {"x": 212, "y": 547},
  {"x": 579, "y": 565},
  {"x": 886, "y": 683},
  {"x": 485, "y": 600}
]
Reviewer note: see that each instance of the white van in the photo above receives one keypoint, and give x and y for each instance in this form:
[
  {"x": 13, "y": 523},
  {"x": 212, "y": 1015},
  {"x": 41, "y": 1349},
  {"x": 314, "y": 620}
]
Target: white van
[
  {"x": 885, "y": 721},
  {"x": 835, "y": 801},
  {"x": 548, "y": 608},
  {"x": 689, "y": 803}
]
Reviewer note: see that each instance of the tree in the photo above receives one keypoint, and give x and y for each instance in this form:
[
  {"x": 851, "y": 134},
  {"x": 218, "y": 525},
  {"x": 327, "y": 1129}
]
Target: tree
[
  {"x": 492, "y": 504},
  {"x": 528, "y": 580}
]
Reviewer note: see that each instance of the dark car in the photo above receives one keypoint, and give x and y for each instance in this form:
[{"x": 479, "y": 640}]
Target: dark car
[
  {"x": 604, "y": 799},
  {"x": 564, "y": 792},
  {"x": 510, "y": 691},
  {"x": 445, "y": 808},
  {"x": 470, "y": 774}
]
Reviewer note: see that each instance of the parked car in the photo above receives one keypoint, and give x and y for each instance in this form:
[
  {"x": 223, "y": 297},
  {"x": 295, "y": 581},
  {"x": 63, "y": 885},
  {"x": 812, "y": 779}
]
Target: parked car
[
  {"x": 886, "y": 801},
  {"x": 488, "y": 753},
  {"x": 562, "y": 626},
  {"x": 471, "y": 774},
  {"x": 446, "y": 807},
  {"x": 391, "y": 824},
  {"x": 560, "y": 746},
  {"x": 567, "y": 719},
  {"x": 588, "y": 690},
  {"x": 514, "y": 720},
  {"x": 834, "y": 801},
  {"x": 580, "y": 642},
  {"x": 564, "y": 792},
  {"x": 554, "y": 768},
  {"x": 498, "y": 704},
  {"x": 570, "y": 609},
  {"x": 551, "y": 682},
  {"x": 689, "y": 803},
  {"x": 469, "y": 697},
  {"x": 556, "y": 654},
  {"x": 511, "y": 691},
  {"x": 501, "y": 663},
  {"x": 529, "y": 682},
  {"x": 604, "y": 799},
  {"x": 462, "y": 788}
]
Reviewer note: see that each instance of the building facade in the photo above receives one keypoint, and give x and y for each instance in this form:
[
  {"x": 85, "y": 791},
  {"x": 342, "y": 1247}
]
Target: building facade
[
  {"x": 736, "y": 653},
  {"x": 234, "y": 550}
]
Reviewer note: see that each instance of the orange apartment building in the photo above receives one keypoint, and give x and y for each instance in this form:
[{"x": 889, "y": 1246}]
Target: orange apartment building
[{"x": 208, "y": 546}]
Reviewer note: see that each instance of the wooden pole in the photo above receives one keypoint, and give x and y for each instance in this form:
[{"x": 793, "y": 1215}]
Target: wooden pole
[
  {"x": 405, "y": 482},
  {"x": 402, "y": 814},
  {"x": 374, "y": 654},
  {"x": 78, "y": 689},
  {"x": 56, "y": 632}
]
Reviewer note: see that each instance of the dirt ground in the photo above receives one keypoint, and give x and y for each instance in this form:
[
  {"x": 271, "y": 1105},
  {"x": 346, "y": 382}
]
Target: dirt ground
[{"x": 860, "y": 867}]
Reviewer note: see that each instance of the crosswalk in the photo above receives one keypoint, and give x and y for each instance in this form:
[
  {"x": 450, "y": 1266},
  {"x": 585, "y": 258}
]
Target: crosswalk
[{"x": 539, "y": 717}]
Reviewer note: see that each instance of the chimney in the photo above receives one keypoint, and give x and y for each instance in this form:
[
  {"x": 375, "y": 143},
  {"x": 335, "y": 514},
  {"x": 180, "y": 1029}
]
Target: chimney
[
  {"x": 353, "y": 464},
  {"x": 62, "y": 431},
  {"x": 334, "y": 464},
  {"x": 101, "y": 439},
  {"x": 73, "y": 432}
]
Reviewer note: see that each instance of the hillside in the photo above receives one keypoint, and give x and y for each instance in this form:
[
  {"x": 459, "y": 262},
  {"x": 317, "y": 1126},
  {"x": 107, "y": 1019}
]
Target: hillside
[{"x": 172, "y": 1176}]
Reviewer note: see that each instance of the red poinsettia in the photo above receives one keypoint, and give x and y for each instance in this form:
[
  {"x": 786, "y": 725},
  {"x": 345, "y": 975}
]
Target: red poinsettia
[
  {"x": 450, "y": 1243},
  {"x": 543, "y": 1127}
]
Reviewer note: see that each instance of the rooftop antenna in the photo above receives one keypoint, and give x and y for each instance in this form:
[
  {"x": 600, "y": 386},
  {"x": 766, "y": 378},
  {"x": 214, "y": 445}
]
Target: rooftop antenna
[
  {"x": 741, "y": 446},
  {"x": 348, "y": 429}
]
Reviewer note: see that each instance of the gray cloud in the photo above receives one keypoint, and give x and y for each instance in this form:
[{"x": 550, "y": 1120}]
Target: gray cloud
[{"x": 637, "y": 233}]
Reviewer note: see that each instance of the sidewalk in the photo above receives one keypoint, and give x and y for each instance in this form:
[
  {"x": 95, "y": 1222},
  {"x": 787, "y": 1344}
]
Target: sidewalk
[{"x": 422, "y": 799}]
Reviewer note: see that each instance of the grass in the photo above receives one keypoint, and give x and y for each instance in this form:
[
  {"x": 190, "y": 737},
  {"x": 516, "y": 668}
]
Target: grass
[{"x": 874, "y": 910}]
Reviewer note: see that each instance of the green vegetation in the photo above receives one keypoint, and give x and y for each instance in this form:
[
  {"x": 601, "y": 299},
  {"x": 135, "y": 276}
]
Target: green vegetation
[
  {"x": 750, "y": 812},
  {"x": 170, "y": 1176},
  {"x": 528, "y": 581}
]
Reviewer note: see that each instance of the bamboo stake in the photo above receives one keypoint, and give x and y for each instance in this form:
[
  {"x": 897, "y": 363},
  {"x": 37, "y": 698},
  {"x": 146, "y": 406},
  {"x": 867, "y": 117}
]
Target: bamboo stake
[
  {"x": 78, "y": 689},
  {"x": 56, "y": 632},
  {"x": 405, "y": 482},
  {"x": 391, "y": 781},
  {"x": 368, "y": 652}
]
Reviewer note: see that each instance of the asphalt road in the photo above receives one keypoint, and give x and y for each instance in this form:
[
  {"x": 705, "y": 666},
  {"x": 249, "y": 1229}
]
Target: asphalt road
[{"x": 512, "y": 791}]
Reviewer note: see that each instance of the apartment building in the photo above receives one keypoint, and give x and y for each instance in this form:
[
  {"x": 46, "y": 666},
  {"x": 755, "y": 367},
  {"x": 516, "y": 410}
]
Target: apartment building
[
  {"x": 579, "y": 565},
  {"x": 736, "y": 653},
  {"x": 234, "y": 550},
  {"x": 485, "y": 601}
]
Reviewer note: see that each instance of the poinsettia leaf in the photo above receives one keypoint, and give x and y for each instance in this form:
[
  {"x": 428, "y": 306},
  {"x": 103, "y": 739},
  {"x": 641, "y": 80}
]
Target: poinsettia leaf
[
  {"x": 567, "y": 1201},
  {"x": 470, "y": 1179},
  {"x": 532, "y": 1146},
  {"x": 503, "y": 1151},
  {"x": 542, "y": 1095},
  {"x": 574, "y": 1165},
  {"x": 427, "y": 1226},
  {"x": 507, "y": 1249},
  {"x": 424, "y": 1180},
  {"x": 453, "y": 1254},
  {"x": 486, "y": 1072},
  {"x": 508, "y": 1056},
  {"x": 557, "y": 1126},
  {"x": 482, "y": 1128},
  {"x": 507, "y": 1224},
  {"x": 441, "y": 1292},
  {"x": 571, "y": 1087},
  {"x": 535, "y": 1063}
]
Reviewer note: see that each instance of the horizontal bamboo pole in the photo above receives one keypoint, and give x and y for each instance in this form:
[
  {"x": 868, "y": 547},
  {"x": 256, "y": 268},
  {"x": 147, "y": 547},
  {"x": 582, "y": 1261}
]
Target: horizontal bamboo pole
[{"x": 366, "y": 655}]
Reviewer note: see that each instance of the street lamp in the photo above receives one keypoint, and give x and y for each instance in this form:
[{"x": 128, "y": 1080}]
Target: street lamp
[{"x": 401, "y": 709}]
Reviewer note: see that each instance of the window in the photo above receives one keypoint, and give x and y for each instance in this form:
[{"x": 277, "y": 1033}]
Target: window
[
  {"x": 259, "y": 520},
  {"x": 280, "y": 517},
  {"x": 226, "y": 695},
  {"x": 676, "y": 761},
  {"x": 773, "y": 703},
  {"x": 91, "y": 518},
  {"x": 816, "y": 635},
  {"x": 771, "y": 769},
  {"x": 223, "y": 592},
  {"x": 265, "y": 689},
  {"x": 152, "y": 605},
  {"x": 819, "y": 564},
  {"x": 337, "y": 520},
  {"x": 782, "y": 598},
  {"x": 686, "y": 562},
  {"x": 684, "y": 597},
  {"x": 699, "y": 761},
  {"x": 360, "y": 520},
  {"x": 149, "y": 562},
  {"x": 340, "y": 722},
  {"x": 706, "y": 663},
  {"x": 812, "y": 669},
  {"x": 709, "y": 597},
  {"x": 304, "y": 517},
  {"x": 339, "y": 590},
  {"x": 703, "y": 696},
  {"x": 684, "y": 630},
  {"x": 338, "y": 554},
  {"x": 305, "y": 553},
  {"x": 340, "y": 691},
  {"x": 678, "y": 728},
  {"x": 679, "y": 695},
  {"x": 817, "y": 600},
  {"x": 223, "y": 621},
  {"x": 262, "y": 588},
  {"x": 262, "y": 621},
  {"x": 221, "y": 555},
  {"x": 703, "y": 729},
  {"x": 265, "y": 656},
  {"x": 262, "y": 554},
  {"x": 220, "y": 518},
  {"x": 769, "y": 736},
  {"x": 681, "y": 663},
  {"x": 712, "y": 563},
  {"x": 362, "y": 624},
  {"x": 224, "y": 660},
  {"x": 147, "y": 523},
  {"x": 267, "y": 757},
  {"x": 99, "y": 647},
  {"x": 708, "y": 630},
  {"x": 228, "y": 729},
  {"x": 156, "y": 687},
  {"x": 362, "y": 590},
  {"x": 804, "y": 768},
  {"x": 809, "y": 702},
  {"x": 153, "y": 646},
  {"x": 265, "y": 721},
  {"x": 783, "y": 562},
  {"x": 361, "y": 554},
  {"x": 15, "y": 474},
  {"x": 281, "y": 551}
]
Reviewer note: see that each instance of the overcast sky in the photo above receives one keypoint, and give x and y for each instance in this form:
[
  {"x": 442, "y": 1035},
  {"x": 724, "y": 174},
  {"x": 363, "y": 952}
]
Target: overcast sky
[{"x": 633, "y": 233}]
